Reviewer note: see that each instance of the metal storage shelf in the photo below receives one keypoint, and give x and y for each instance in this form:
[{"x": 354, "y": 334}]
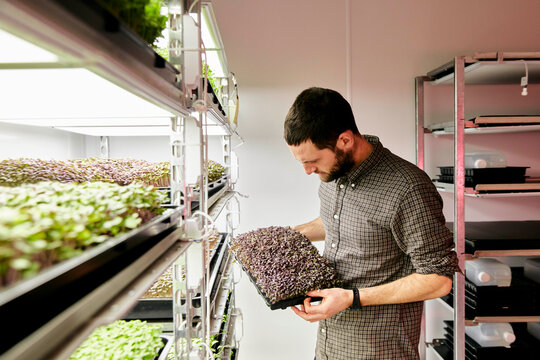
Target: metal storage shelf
[
  {"x": 482, "y": 69},
  {"x": 83, "y": 36}
]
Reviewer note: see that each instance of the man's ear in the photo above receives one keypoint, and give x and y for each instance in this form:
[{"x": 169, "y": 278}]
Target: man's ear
[{"x": 345, "y": 140}]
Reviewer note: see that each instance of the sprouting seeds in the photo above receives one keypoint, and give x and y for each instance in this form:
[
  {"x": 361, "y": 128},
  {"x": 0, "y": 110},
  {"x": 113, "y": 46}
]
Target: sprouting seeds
[{"x": 283, "y": 262}]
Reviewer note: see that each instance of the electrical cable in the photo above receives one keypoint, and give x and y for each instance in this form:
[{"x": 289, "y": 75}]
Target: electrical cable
[{"x": 525, "y": 79}]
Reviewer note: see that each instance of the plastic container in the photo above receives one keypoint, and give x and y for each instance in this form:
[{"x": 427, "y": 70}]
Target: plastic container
[
  {"x": 533, "y": 328},
  {"x": 488, "y": 272},
  {"x": 532, "y": 269},
  {"x": 491, "y": 334},
  {"x": 480, "y": 160}
]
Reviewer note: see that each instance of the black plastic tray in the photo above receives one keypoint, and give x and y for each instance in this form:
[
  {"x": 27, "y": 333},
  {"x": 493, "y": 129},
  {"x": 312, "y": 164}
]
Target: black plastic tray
[
  {"x": 213, "y": 188},
  {"x": 282, "y": 304},
  {"x": 500, "y": 235},
  {"x": 521, "y": 298},
  {"x": 510, "y": 175}
]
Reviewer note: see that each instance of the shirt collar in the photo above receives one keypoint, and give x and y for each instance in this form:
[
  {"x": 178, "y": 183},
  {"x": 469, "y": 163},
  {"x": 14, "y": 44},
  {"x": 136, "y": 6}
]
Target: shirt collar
[{"x": 365, "y": 166}]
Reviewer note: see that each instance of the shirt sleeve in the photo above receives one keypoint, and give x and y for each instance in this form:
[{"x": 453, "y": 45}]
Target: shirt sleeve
[{"x": 420, "y": 231}]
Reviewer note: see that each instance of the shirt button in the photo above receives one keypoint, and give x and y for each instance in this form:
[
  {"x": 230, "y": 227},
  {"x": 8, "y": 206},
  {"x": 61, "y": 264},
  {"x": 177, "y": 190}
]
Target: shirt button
[
  {"x": 323, "y": 330},
  {"x": 352, "y": 185},
  {"x": 333, "y": 245},
  {"x": 341, "y": 186},
  {"x": 336, "y": 216}
]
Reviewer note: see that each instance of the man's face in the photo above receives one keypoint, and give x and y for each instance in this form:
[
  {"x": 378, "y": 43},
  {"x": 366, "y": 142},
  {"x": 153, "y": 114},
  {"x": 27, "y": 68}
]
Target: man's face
[{"x": 329, "y": 165}]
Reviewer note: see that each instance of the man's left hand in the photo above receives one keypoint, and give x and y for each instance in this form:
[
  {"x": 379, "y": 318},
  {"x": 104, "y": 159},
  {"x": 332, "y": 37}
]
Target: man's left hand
[{"x": 333, "y": 301}]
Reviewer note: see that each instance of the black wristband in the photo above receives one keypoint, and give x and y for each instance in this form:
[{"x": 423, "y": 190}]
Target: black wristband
[{"x": 356, "y": 299}]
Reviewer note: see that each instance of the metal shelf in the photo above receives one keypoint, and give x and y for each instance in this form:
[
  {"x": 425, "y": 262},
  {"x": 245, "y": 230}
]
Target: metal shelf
[
  {"x": 492, "y": 319},
  {"x": 110, "y": 301},
  {"x": 220, "y": 305},
  {"x": 494, "y": 68},
  {"x": 219, "y": 203},
  {"x": 497, "y": 319},
  {"x": 447, "y": 128},
  {"x": 499, "y": 253}
]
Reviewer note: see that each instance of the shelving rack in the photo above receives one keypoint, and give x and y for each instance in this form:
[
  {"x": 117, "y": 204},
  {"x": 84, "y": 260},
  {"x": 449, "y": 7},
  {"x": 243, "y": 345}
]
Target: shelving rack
[
  {"x": 80, "y": 36},
  {"x": 482, "y": 68}
]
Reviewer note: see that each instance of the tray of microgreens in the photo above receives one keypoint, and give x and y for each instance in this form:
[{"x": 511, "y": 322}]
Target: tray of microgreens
[
  {"x": 15, "y": 172},
  {"x": 283, "y": 265},
  {"x": 48, "y": 229},
  {"x": 125, "y": 340}
]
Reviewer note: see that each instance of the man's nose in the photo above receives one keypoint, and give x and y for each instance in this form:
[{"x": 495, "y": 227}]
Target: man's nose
[{"x": 309, "y": 169}]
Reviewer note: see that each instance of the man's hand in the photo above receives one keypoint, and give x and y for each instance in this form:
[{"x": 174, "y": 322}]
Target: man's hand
[{"x": 333, "y": 301}]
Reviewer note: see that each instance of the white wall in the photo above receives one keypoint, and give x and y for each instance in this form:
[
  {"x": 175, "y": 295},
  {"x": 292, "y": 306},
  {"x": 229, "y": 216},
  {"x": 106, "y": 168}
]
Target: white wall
[{"x": 278, "y": 48}]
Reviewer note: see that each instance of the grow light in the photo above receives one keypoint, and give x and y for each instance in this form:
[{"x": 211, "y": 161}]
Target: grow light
[
  {"x": 16, "y": 50},
  {"x": 51, "y": 97},
  {"x": 215, "y": 56}
]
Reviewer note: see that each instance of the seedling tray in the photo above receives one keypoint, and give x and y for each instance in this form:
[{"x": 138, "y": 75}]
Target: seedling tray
[
  {"x": 281, "y": 304},
  {"x": 500, "y": 235},
  {"x": 510, "y": 174},
  {"x": 518, "y": 299},
  {"x": 76, "y": 277}
]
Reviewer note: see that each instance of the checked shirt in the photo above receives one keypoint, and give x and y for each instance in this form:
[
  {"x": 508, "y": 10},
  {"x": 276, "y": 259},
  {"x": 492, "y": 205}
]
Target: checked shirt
[{"x": 383, "y": 221}]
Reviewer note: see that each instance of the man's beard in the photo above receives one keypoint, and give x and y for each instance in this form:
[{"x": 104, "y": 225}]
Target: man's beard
[{"x": 344, "y": 164}]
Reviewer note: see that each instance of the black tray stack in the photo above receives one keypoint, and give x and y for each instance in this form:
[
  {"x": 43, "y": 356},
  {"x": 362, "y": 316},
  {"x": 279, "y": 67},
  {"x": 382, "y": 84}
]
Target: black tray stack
[
  {"x": 473, "y": 177},
  {"x": 524, "y": 348}
]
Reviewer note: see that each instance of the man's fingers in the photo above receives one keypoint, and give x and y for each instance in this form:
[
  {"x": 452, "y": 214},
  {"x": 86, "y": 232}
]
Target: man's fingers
[
  {"x": 315, "y": 293},
  {"x": 307, "y": 305}
]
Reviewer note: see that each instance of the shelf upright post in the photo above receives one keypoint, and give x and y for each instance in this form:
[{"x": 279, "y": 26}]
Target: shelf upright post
[
  {"x": 419, "y": 136},
  {"x": 459, "y": 206},
  {"x": 177, "y": 159},
  {"x": 419, "y": 115},
  {"x": 104, "y": 147}
]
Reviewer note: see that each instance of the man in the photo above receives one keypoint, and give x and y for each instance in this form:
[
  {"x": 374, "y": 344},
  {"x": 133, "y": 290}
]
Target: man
[{"x": 384, "y": 231}]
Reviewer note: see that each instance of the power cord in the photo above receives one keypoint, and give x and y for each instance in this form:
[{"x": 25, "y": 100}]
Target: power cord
[{"x": 525, "y": 80}]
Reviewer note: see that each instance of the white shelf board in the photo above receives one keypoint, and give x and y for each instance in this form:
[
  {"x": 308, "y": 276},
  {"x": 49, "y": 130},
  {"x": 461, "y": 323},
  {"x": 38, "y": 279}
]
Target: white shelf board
[
  {"x": 497, "y": 319},
  {"x": 470, "y": 192}
]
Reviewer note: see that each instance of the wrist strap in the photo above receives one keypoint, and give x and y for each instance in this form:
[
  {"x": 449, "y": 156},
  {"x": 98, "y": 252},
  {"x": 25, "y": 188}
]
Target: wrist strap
[{"x": 356, "y": 299}]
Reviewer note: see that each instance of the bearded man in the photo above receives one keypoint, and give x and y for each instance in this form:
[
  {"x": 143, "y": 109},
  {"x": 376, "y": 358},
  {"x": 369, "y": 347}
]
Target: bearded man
[{"x": 384, "y": 231}]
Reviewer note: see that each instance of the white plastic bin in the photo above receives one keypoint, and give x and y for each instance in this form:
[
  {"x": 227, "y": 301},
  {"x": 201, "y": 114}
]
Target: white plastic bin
[
  {"x": 488, "y": 272},
  {"x": 480, "y": 159},
  {"x": 532, "y": 269},
  {"x": 491, "y": 334}
]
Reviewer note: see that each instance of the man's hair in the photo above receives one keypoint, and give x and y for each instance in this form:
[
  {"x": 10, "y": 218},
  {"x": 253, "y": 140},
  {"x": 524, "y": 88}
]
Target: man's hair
[{"x": 319, "y": 115}]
